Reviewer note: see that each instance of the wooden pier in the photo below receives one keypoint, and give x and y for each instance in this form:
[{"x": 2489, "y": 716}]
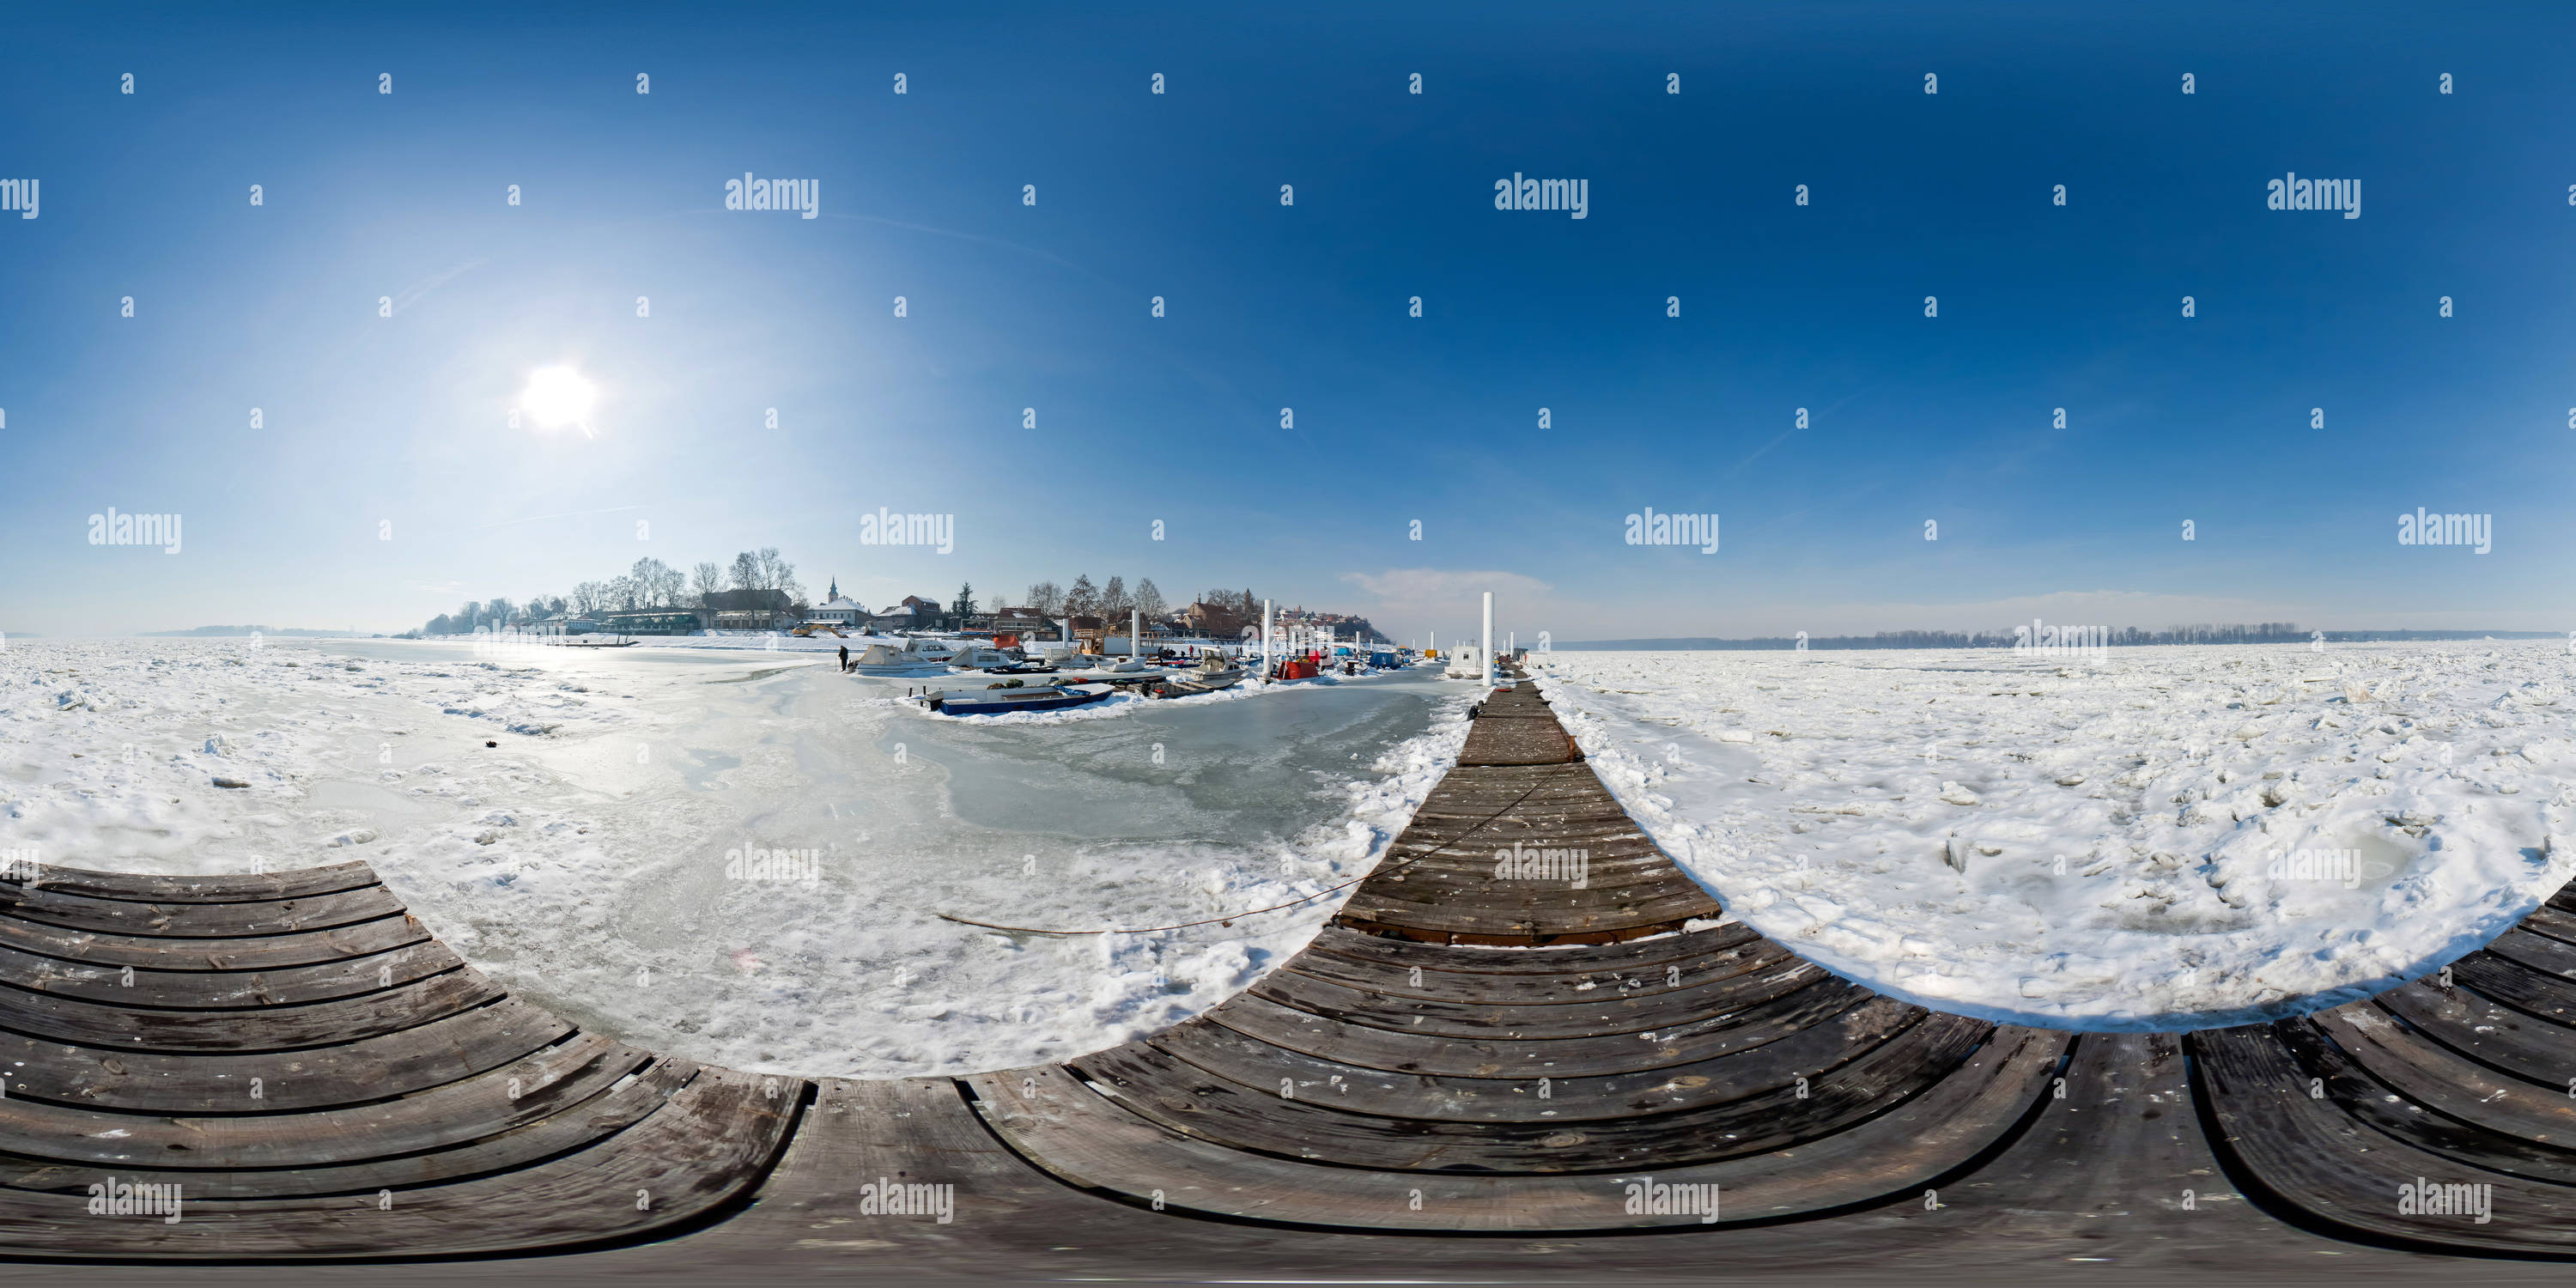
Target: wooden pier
[{"x": 1526, "y": 1022}]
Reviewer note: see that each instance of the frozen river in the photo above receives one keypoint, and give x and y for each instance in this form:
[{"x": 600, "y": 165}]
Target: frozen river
[{"x": 739, "y": 856}]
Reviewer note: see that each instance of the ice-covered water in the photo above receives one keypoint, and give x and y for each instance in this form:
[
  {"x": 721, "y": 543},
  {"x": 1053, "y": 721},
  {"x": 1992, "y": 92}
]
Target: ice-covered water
[
  {"x": 739, "y": 856},
  {"x": 2130, "y": 838}
]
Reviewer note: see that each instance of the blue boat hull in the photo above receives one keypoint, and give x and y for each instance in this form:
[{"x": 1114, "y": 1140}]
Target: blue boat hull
[{"x": 978, "y": 704}]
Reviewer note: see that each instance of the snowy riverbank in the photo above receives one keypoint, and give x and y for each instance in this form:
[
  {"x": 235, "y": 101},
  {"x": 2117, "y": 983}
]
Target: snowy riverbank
[{"x": 2147, "y": 837}]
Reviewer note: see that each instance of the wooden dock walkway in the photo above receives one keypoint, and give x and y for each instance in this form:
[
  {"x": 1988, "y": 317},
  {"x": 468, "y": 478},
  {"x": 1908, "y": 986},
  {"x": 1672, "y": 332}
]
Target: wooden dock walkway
[{"x": 1527, "y": 1021}]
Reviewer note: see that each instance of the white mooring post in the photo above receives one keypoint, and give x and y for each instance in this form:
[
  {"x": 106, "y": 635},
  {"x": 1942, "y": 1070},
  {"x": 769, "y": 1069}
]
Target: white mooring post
[
  {"x": 1135, "y": 635},
  {"x": 1489, "y": 639},
  {"x": 1265, "y": 639}
]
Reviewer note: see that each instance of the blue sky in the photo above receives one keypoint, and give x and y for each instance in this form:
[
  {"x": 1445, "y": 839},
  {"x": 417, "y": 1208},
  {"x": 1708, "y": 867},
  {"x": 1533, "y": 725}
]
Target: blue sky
[{"x": 373, "y": 421}]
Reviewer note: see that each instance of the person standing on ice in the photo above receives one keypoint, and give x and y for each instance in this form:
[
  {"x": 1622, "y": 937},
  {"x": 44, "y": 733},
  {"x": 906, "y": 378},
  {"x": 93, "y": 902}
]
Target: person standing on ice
[{"x": 845, "y": 659}]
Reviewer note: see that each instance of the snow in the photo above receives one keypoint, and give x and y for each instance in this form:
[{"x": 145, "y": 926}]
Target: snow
[
  {"x": 584, "y": 860},
  {"x": 2128, "y": 838}
]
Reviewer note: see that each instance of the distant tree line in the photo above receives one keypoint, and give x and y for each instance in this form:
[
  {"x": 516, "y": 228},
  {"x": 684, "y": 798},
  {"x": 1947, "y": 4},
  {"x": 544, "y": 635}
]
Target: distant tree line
[
  {"x": 650, "y": 584},
  {"x": 1113, "y": 601},
  {"x": 2114, "y": 636}
]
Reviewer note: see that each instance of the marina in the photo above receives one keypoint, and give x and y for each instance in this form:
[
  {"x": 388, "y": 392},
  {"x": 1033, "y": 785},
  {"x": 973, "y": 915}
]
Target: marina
[{"x": 1453, "y": 1053}]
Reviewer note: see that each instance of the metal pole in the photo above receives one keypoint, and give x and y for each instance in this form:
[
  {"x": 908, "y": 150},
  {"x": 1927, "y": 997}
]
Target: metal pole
[
  {"x": 1135, "y": 635},
  {"x": 1489, "y": 639},
  {"x": 1265, "y": 639}
]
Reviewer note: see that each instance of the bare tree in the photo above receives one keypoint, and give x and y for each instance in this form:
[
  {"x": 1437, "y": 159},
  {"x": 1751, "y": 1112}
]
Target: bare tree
[
  {"x": 707, "y": 580},
  {"x": 1149, "y": 601},
  {"x": 588, "y": 598},
  {"x": 1114, "y": 602},
  {"x": 746, "y": 571},
  {"x": 1083, "y": 600},
  {"x": 1046, "y": 599},
  {"x": 775, "y": 573},
  {"x": 657, "y": 584}
]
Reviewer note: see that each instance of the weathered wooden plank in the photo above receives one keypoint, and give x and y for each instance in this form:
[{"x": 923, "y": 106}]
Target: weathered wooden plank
[
  {"x": 2367, "y": 1099},
  {"x": 271, "y": 952},
  {"x": 1476, "y": 891},
  {"x": 1472, "y": 890},
  {"x": 2113, "y": 1165},
  {"x": 2536, "y": 952},
  {"x": 576, "y": 1126},
  {"x": 1495, "y": 1000},
  {"x": 1807, "y": 1052},
  {"x": 1630, "y": 858},
  {"x": 2424, "y": 1072},
  {"x": 2521, "y": 987},
  {"x": 1605, "y": 837},
  {"x": 545, "y": 1082},
  {"x": 1640, "y": 976},
  {"x": 1005, "y": 1216},
  {"x": 1615, "y": 920},
  {"x": 397, "y": 1064},
  {"x": 245, "y": 887},
  {"x": 223, "y": 990},
  {"x": 279, "y": 1028},
  {"x": 708, "y": 1146},
  {"x": 1190, "y": 1100},
  {"x": 51, "y": 907},
  {"x": 1756, "y": 973},
  {"x": 1071, "y": 1130},
  {"x": 2493, "y": 1034},
  {"x": 2311, "y": 1154},
  {"x": 2553, "y": 921},
  {"x": 1635, "y": 956},
  {"x": 1810, "y": 997},
  {"x": 1548, "y": 796},
  {"x": 1518, "y": 742}
]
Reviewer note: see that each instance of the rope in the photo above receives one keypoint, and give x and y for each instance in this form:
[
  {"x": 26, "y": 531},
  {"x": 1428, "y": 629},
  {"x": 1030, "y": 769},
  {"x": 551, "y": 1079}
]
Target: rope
[{"x": 1228, "y": 921}]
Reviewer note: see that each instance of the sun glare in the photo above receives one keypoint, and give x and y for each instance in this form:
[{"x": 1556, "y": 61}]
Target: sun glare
[{"x": 558, "y": 396}]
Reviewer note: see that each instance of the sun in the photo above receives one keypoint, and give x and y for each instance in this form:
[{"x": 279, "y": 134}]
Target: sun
[{"x": 558, "y": 396}]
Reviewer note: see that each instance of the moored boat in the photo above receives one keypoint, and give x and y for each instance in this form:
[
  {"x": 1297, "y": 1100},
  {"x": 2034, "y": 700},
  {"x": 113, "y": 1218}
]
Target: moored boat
[
  {"x": 1000, "y": 701},
  {"x": 1212, "y": 673},
  {"x": 887, "y": 660}
]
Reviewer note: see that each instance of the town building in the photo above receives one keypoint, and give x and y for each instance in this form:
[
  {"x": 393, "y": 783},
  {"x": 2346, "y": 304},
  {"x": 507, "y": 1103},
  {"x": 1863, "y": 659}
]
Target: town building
[{"x": 839, "y": 609}]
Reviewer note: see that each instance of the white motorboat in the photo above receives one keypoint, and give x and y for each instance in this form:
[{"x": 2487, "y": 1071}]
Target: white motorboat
[
  {"x": 939, "y": 650},
  {"x": 1212, "y": 673},
  {"x": 884, "y": 659},
  {"x": 1465, "y": 663}
]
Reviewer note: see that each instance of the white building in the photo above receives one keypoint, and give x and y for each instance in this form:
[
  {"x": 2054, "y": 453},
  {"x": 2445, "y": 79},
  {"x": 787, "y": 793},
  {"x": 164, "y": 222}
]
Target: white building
[{"x": 839, "y": 609}]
